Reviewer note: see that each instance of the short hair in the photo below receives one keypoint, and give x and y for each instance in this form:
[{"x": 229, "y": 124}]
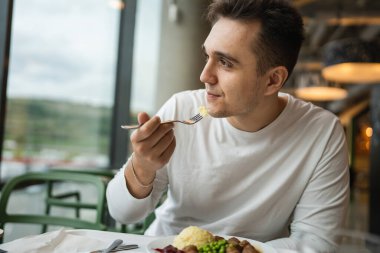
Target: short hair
[{"x": 281, "y": 34}]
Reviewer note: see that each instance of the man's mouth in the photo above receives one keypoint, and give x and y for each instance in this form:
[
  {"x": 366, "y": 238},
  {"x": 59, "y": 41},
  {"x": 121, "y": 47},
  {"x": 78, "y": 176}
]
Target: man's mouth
[{"x": 213, "y": 95}]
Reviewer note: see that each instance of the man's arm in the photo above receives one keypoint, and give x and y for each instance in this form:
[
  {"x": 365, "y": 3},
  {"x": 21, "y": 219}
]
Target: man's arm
[
  {"x": 323, "y": 205},
  {"x": 153, "y": 145},
  {"x": 127, "y": 209}
]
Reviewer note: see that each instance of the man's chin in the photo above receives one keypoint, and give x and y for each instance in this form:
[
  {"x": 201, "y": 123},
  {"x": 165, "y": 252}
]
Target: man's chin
[
  {"x": 215, "y": 111},
  {"x": 217, "y": 114}
]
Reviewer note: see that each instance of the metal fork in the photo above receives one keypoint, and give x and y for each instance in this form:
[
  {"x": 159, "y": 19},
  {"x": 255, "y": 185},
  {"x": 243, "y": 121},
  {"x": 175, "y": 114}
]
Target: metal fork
[
  {"x": 118, "y": 248},
  {"x": 190, "y": 121},
  {"x": 125, "y": 247}
]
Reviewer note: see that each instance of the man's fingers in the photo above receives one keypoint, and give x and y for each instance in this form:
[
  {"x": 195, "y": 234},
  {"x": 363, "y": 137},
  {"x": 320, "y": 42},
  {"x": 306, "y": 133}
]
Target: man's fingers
[
  {"x": 147, "y": 129},
  {"x": 164, "y": 142},
  {"x": 142, "y": 117},
  {"x": 162, "y": 152},
  {"x": 157, "y": 136},
  {"x": 154, "y": 144},
  {"x": 165, "y": 157}
]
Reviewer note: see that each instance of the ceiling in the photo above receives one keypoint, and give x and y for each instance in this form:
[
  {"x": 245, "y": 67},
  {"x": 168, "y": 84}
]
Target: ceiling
[{"x": 328, "y": 20}]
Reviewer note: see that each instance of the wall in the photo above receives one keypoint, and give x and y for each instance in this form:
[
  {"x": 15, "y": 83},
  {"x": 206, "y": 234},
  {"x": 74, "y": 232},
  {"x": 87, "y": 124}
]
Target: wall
[
  {"x": 181, "y": 59},
  {"x": 167, "y": 54}
]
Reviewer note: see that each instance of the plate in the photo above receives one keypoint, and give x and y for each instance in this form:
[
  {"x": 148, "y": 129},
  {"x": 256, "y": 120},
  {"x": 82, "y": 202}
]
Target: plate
[{"x": 165, "y": 241}]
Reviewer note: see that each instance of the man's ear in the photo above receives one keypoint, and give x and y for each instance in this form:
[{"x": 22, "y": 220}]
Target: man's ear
[{"x": 276, "y": 79}]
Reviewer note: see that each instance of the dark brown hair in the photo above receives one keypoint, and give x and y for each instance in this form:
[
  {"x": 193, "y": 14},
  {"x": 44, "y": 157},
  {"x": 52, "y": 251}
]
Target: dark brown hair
[{"x": 281, "y": 33}]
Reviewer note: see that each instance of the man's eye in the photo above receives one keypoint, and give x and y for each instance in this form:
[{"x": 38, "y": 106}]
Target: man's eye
[
  {"x": 225, "y": 63},
  {"x": 205, "y": 56}
]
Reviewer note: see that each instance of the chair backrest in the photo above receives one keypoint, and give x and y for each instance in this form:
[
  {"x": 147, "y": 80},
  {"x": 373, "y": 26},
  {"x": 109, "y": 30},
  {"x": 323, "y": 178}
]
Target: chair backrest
[{"x": 43, "y": 219}]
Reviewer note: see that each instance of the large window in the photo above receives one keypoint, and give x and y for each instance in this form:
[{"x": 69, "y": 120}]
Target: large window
[{"x": 61, "y": 85}]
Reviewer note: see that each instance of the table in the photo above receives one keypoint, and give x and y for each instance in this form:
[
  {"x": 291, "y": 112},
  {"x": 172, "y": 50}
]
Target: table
[
  {"x": 141, "y": 240},
  {"x": 81, "y": 240}
]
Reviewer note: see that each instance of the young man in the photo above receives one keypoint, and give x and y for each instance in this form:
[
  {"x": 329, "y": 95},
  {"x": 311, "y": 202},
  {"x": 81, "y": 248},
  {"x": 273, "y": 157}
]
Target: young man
[{"x": 265, "y": 165}]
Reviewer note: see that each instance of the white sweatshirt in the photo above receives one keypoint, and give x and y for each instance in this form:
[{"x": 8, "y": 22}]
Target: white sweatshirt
[{"x": 288, "y": 180}]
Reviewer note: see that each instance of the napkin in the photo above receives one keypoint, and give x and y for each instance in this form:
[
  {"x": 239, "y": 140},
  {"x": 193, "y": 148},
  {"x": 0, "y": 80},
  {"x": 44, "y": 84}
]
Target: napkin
[{"x": 59, "y": 241}]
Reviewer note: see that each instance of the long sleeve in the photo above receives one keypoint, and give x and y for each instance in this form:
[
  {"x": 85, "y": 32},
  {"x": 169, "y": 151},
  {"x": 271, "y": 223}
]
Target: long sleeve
[
  {"x": 322, "y": 207},
  {"x": 125, "y": 208}
]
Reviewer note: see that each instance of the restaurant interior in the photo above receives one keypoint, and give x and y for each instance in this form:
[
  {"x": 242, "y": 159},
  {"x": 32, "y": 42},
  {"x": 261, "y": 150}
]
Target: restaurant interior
[{"x": 73, "y": 72}]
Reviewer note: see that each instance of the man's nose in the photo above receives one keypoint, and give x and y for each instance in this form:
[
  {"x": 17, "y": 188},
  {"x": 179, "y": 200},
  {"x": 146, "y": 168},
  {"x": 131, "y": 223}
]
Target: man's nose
[{"x": 208, "y": 74}]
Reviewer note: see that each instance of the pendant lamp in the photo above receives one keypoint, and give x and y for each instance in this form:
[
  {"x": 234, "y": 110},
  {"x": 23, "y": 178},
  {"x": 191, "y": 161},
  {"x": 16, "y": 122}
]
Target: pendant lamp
[
  {"x": 352, "y": 61},
  {"x": 321, "y": 93},
  {"x": 312, "y": 87}
]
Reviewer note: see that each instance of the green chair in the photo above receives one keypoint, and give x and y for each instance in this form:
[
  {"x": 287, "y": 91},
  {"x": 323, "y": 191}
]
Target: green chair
[
  {"x": 61, "y": 199},
  {"x": 43, "y": 219}
]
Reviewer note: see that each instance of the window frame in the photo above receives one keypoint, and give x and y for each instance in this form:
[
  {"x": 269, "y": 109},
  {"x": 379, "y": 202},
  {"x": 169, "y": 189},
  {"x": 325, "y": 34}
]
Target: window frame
[
  {"x": 6, "y": 10},
  {"x": 121, "y": 110},
  {"x": 118, "y": 149}
]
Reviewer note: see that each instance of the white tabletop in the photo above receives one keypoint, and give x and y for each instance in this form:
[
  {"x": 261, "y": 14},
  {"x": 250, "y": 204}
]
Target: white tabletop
[
  {"x": 141, "y": 240},
  {"x": 83, "y": 241}
]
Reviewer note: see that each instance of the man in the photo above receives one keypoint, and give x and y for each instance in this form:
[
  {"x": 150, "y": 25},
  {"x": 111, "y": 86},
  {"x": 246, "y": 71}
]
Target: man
[{"x": 265, "y": 165}]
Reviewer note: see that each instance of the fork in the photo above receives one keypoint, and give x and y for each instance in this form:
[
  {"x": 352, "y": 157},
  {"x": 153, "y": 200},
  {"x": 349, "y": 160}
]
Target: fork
[
  {"x": 202, "y": 113},
  {"x": 118, "y": 248},
  {"x": 190, "y": 121},
  {"x": 125, "y": 247}
]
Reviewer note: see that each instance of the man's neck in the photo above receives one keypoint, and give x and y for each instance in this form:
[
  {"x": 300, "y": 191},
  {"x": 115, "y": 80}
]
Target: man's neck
[{"x": 263, "y": 116}]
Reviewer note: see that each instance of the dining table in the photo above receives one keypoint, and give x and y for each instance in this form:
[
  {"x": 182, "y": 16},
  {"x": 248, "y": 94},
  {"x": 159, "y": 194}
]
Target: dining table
[{"x": 86, "y": 241}]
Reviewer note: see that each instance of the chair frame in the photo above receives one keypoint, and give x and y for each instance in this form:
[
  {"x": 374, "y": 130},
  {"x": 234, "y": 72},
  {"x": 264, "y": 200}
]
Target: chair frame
[
  {"x": 43, "y": 219},
  {"x": 59, "y": 200}
]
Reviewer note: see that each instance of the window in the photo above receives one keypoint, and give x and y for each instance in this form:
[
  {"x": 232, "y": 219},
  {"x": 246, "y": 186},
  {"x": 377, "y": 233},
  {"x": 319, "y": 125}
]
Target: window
[{"x": 62, "y": 79}]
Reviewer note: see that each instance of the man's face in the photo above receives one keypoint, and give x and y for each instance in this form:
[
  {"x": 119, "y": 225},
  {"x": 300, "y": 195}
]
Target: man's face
[{"x": 232, "y": 83}]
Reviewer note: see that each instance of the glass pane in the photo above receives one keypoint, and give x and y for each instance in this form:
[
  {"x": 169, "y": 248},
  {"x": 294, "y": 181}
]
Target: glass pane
[
  {"x": 60, "y": 85},
  {"x": 146, "y": 54}
]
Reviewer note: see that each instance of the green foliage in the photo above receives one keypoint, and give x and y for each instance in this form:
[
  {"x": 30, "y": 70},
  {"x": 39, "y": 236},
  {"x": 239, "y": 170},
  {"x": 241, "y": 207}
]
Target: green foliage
[{"x": 67, "y": 126}]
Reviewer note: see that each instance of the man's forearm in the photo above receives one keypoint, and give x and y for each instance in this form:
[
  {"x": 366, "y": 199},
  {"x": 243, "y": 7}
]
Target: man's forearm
[{"x": 139, "y": 182}]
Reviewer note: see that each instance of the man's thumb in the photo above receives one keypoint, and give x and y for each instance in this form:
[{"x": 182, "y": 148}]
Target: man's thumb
[{"x": 142, "y": 117}]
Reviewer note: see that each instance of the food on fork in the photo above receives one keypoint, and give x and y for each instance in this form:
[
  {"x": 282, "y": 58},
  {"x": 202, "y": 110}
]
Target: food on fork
[
  {"x": 197, "y": 240},
  {"x": 202, "y": 111}
]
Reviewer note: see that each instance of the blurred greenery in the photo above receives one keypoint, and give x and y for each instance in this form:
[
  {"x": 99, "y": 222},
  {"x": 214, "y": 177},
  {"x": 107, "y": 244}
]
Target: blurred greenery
[{"x": 34, "y": 125}]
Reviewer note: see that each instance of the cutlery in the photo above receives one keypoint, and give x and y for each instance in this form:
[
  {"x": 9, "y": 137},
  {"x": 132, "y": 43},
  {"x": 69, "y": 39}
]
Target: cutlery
[
  {"x": 119, "y": 248},
  {"x": 125, "y": 247},
  {"x": 114, "y": 244},
  {"x": 202, "y": 113}
]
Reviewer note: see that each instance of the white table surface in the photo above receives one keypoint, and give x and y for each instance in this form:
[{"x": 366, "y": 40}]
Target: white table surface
[
  {"x": 141, "y": 240},
  {"x": 92, "y": 237}
]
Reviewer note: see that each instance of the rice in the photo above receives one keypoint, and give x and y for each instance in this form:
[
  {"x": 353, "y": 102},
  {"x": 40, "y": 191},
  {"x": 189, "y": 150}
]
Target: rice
[{"x": 192, "y": 236}]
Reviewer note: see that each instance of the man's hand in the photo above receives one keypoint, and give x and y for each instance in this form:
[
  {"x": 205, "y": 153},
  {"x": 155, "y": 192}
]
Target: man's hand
[{"x": 153, "y": 145}]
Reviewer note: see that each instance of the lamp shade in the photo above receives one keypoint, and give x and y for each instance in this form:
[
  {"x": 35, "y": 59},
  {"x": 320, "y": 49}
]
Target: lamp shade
[
  {"x": 321, "y": 93},
  {"x": 352, "y": 61},
  {"x": 312, "y": 87}
]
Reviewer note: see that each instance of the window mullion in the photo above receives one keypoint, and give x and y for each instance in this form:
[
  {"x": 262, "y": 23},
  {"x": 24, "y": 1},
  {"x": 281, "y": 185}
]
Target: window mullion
[
  {"x": 6, "y": 7},
  {"x": 121, "y": 110}
]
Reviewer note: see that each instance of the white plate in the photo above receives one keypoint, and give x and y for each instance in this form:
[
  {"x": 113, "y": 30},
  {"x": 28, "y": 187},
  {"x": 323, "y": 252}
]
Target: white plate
[{"x": 165, "y": 241}]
